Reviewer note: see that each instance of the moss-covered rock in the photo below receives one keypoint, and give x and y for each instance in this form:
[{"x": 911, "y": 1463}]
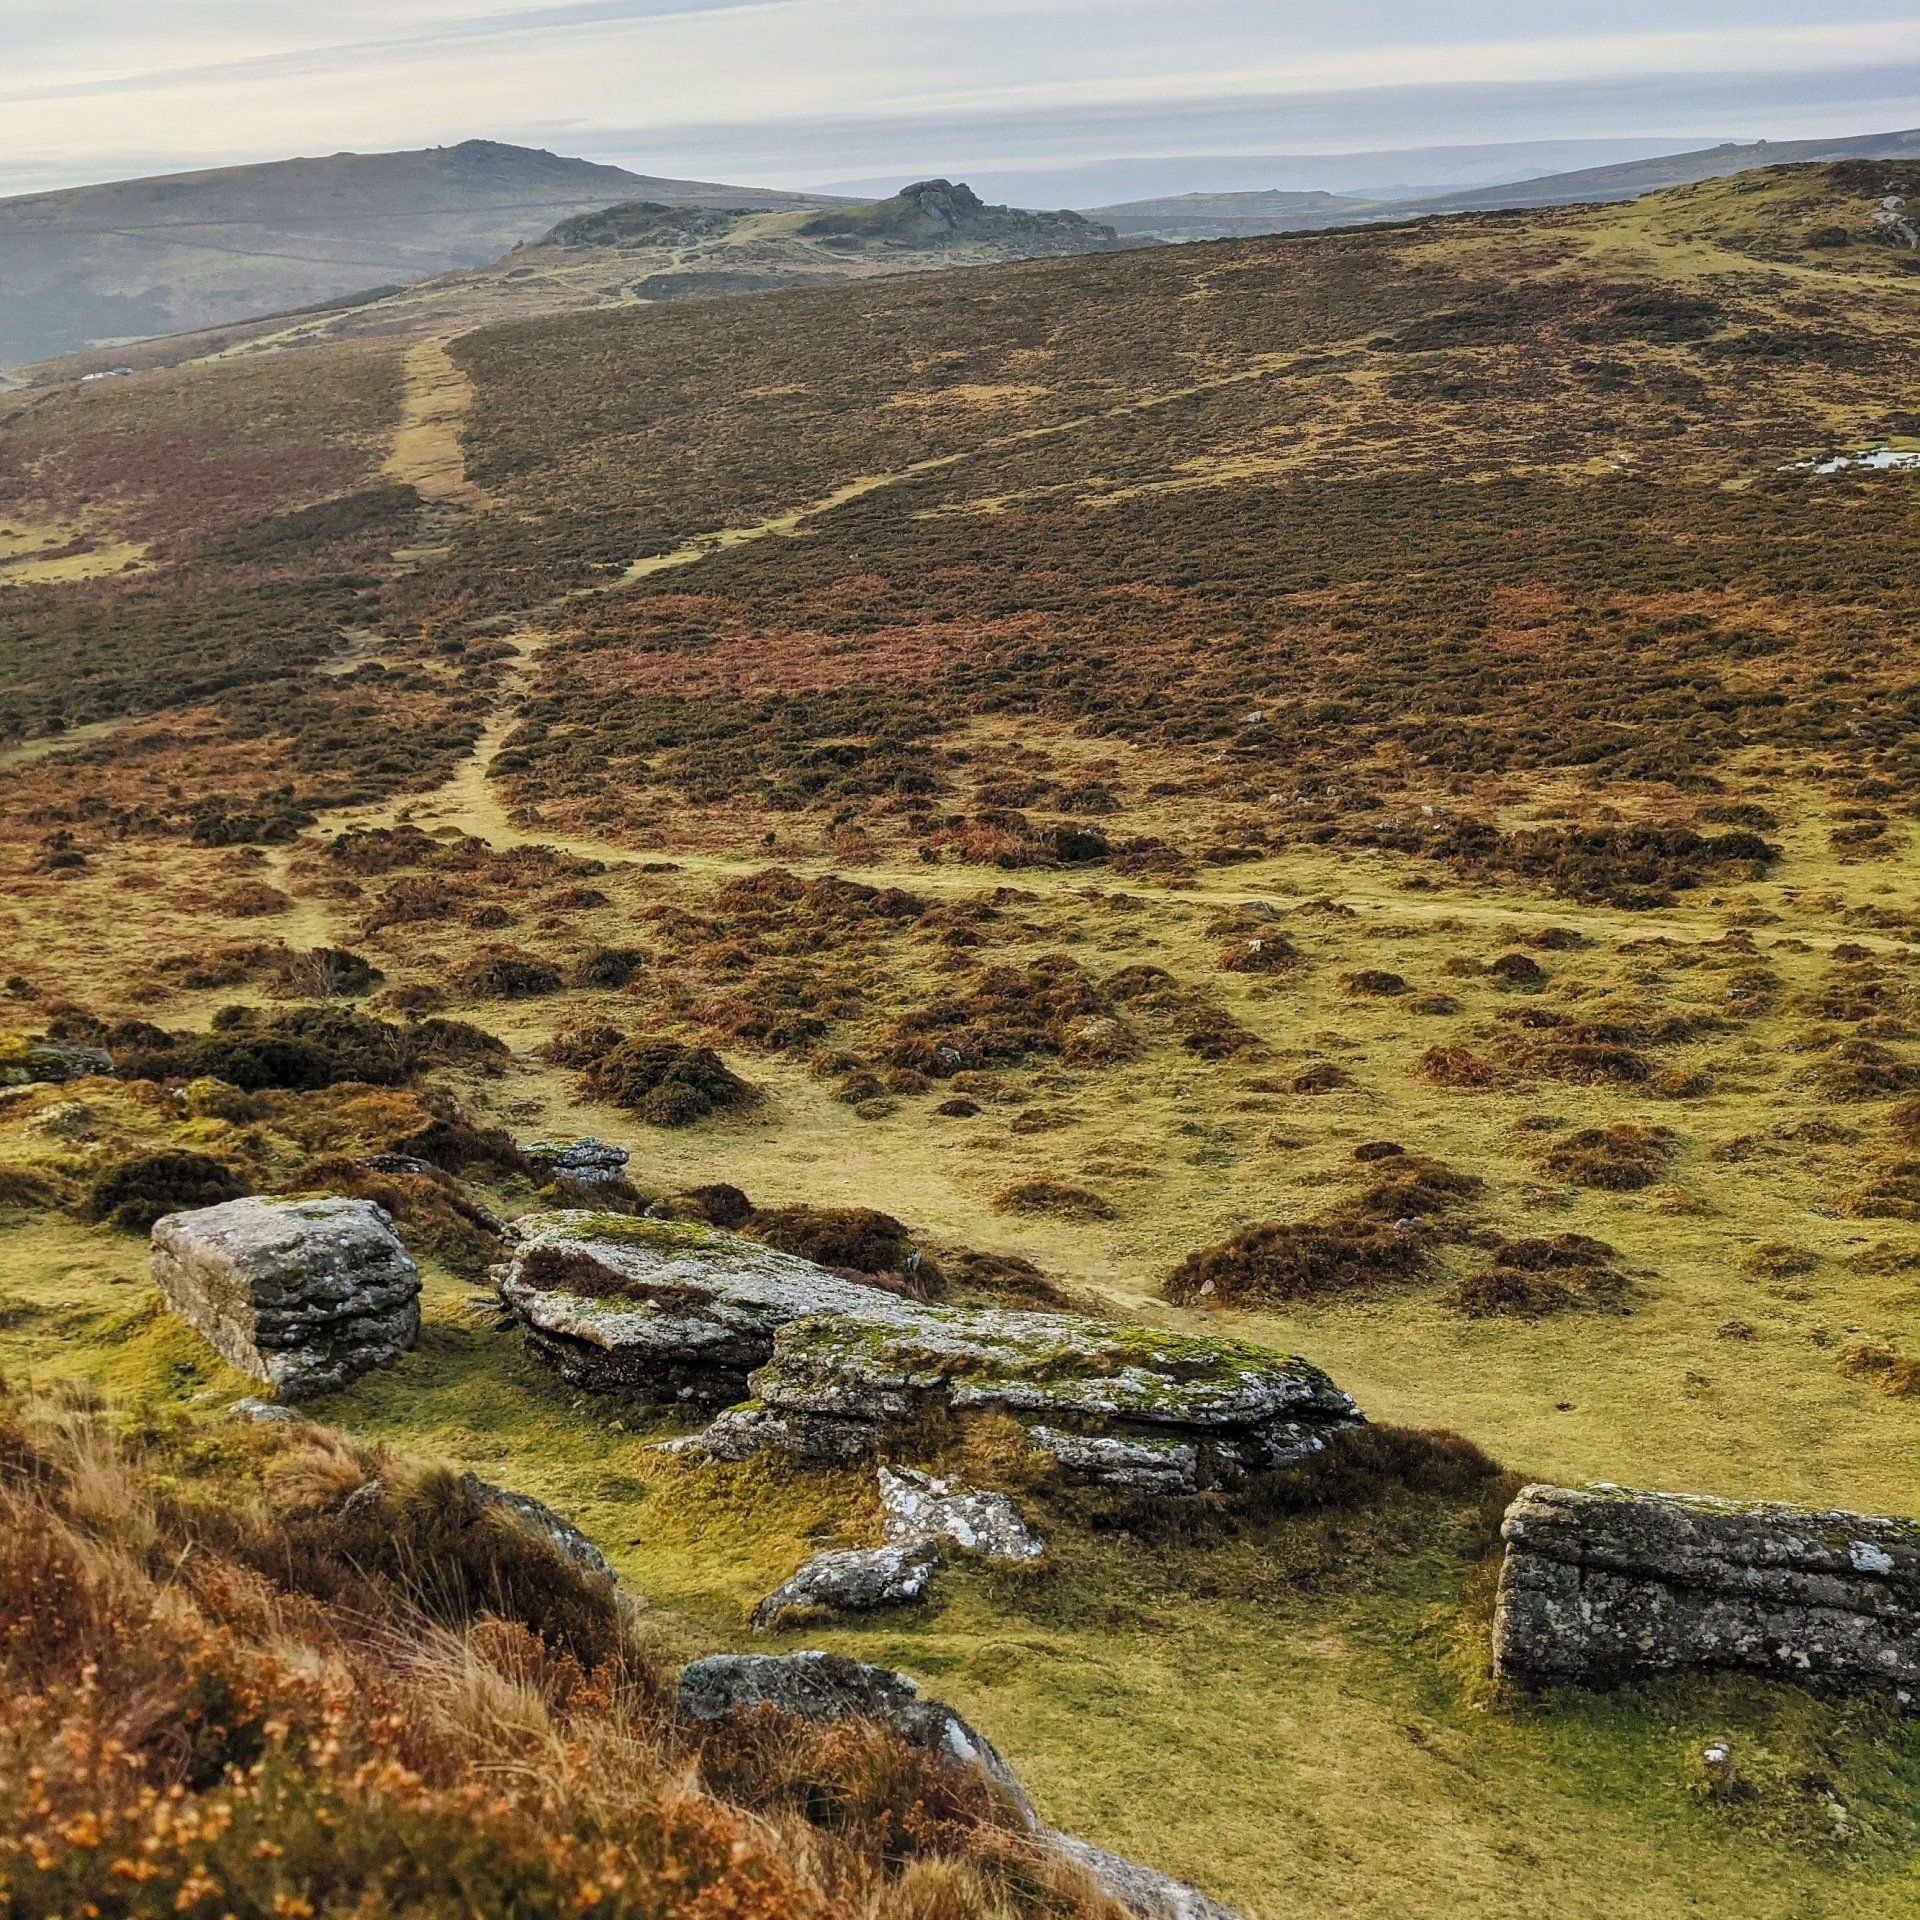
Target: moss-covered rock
[{"x": 678, "y": 1310}]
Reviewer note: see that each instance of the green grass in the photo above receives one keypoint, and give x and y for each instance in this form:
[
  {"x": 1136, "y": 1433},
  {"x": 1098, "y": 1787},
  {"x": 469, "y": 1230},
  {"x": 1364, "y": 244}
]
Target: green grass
[{"x": 1292, "y": 1712}]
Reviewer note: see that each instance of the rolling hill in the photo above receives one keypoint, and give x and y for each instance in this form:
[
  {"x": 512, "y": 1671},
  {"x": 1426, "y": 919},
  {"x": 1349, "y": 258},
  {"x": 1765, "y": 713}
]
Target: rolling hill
[
  {"x": 1351, "y": 792},
  {"x": 1215, "y": 216},
  {"x": 648, "y": 250},
  {"x": 94, "y": 265}
]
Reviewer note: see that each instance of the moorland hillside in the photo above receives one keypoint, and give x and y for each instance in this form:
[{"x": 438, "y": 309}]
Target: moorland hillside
[
  {"x": 650, "y": 251},
  {"x": 128, "y": 259},
  {"x": 1351, "y": 792}
]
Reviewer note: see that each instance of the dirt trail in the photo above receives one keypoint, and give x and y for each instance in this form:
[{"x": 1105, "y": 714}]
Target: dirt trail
[
  {"x": 426, "y": 446},
  {"x": 427, "y": 452}
]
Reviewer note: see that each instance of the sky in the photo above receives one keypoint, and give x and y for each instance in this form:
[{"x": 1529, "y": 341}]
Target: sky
[{"x": 817, "y": 92}]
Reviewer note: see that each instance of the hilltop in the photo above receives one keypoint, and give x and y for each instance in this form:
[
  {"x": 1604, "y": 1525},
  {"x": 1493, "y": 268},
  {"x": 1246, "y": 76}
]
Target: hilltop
[
  {"x": 134, "y": 258},
  {"x": 654, "y": 250},
  {"x": 1352, "y": 795}
]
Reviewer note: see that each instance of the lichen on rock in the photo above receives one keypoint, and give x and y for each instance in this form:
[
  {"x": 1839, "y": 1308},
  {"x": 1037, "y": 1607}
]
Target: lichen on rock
[
  {"x": 674, "y": 1310},
  {"x": 1602, "y": 1584},
  {"x": 302, "y": 1294}
]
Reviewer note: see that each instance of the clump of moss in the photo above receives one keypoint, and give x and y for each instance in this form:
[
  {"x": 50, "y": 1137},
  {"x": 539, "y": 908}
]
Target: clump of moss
[
  {"x": 33, "y": 1189},
  {"x": 1527, "y": 1279},
  {"x": 1619, "y": 1159}
]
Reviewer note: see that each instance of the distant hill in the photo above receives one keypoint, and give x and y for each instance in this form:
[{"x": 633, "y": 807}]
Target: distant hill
[
  {"x": 93, "y": 265},
  {"x": 1220, "y": 216},
  {"x": 1629, "y": 181},
  {"x": 650, "y": 250},
  {"x": 1229, "y": 216}
]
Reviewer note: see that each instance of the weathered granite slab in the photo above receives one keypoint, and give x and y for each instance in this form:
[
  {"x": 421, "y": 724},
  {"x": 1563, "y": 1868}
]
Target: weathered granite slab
[
  {"x": 851, "y": 1580},
  {"x": 302, "y": 1294},
  {"x": 672, "y": 1310},
  {"x": 1602, "y": 1584},
  {"x": 662, "y": 1309}
]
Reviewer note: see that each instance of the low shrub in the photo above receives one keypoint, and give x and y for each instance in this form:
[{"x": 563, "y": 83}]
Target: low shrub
[
  {"x": 665, "y": 1082},
  {"x": 1263, "y": 952},
  {"x": 1380, "y": 1236},
  {"x": 1619, "y": 1159},
  {"x": 1527, "y": 1279},
  {"x": 1052, "y": 1197},
  {"x": 135, "y": 1192},
  {"x": 1372, "y": 983},
  {"x": 1892, "y": 1371},
  {"x": 305, "y": 1049},
  {"x": 501, "y": 973},
  {"x": 1457, "y": 1068},
  {"x": 851, "y": 1239}
]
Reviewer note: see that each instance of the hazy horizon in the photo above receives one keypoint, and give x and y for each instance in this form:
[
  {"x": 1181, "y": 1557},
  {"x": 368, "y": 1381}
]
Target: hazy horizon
[{"x": 812, "y": 93}]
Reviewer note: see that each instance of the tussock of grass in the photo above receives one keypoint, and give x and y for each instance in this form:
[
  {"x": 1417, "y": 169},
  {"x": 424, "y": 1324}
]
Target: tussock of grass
[{"x": 355, "y": 1686}]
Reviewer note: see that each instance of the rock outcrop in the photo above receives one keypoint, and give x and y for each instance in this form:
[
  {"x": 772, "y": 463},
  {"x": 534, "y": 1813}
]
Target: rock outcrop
[
  {"x": 924, "y": 1516},
  {"x": 920, "y": 1507},
  {"x": 664, "y": 1310},
  {"x": 672, "y": 1310},
  {"x": 49, "y": 1062},
  {"x": 851, "y": 1580},
  {"x": 586, "y": 1162},
  {"x": 302, "y": 1294},
  {"x": 536, "y": 1517},
  {"x": 826, "y": 1687},
  {"x": 1602, "y": 1584},
  {"x": 1143, "y": 1892}
]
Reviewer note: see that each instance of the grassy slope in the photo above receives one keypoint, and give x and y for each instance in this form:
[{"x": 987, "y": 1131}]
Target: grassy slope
[{"x": 1304, "y": 1741}]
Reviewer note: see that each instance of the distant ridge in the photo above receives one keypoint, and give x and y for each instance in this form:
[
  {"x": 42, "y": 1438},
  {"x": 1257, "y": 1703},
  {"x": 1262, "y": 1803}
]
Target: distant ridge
[
  {"x": 651, "y": 250},
  {"x": 89, "y": 266},
  {"x": 1219, "y": 216},
  {"x": 1635, "y": 177}
]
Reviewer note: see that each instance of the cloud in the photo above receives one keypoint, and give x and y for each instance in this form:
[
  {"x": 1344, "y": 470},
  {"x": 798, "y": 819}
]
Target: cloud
[{"x": 802, "y": 90}]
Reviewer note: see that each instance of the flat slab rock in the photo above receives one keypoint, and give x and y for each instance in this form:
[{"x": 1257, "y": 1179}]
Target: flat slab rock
[
  {"x": 851, "y": 1580},
  {"x": 672, "y": 1310},
  {"x": 827, "y": 1687},
  {"x": 302, "y": 1294},
  {"x": 584, "y": 1161},
  {"x": 1601, "y": 1584},
  {"x": 662, "y": 1309},
  {"x": 918, "y": 1507}
]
